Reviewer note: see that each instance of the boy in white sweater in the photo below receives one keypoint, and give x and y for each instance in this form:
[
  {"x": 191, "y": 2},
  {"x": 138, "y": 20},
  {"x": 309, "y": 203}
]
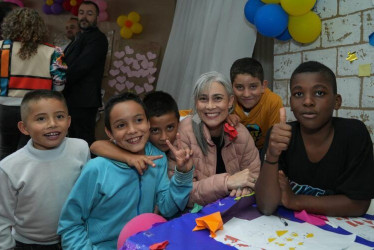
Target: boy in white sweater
[{"x": 36, "y": 180}]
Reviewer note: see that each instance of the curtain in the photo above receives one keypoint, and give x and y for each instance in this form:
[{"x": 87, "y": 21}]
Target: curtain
[{"x": 206, "y": 35}]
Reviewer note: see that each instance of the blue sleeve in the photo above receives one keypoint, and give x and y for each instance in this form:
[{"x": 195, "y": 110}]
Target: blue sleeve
[
  {"x": 173, "y": 194},
  {"x": 73, "y": 220}
]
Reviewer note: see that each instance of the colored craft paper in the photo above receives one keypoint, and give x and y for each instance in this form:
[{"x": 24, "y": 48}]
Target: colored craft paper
[
  {"x": 231, "y": 131},
  {"x": 364, "y": 70},
  {"x": 196, "y": 208},
  {"x": 360, "y": 226},
  {"x": 351, "y": 56},
  {"x": 371, "y": 38},
  {"x": 268, "y": 232},
  {"x": 213, "y": 222},
  {"x": 160, "y": 245},
  {"x": 246, "y": 195},
  {"x": 313, "y": 219}
]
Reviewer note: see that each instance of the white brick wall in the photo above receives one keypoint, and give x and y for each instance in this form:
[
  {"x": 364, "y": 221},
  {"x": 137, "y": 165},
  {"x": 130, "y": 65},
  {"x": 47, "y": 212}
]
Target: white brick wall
[{"x": 346, "y": 25}]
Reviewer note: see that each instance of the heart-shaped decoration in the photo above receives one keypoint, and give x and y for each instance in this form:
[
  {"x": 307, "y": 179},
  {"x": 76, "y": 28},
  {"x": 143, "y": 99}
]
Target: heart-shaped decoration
[
  {"x": 121, "y": 79},
  {"x": 140, "y": 56},
  {"x": 118, "y": 64},
  {"x": 135, "y": 65},
  {"x": 139, "y": 89},
  {"x": 120, "y": 86},
  {"x": 151, "y": 79},
  {"x": 125, "y": 69},
  {"x": 129, "y": 85},
  {"x": 144, "y": 72},
  {"x": 119, "y": 54},
  {"x": 114, "y": 72},
  {"x": 129, "y": 51},
  {"x": 152, "y": 71},
  {"x": 136, "y": 74},
  {"x": 128, "y": 60},
  {"x": 112, "y": 82},
  {"x": 148, "y": 87},
  {"x": 150, "y": 55}
]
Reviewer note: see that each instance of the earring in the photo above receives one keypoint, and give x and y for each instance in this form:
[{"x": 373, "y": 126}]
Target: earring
[
  {"x": 196, "y": 118},
  {"x": 113, "y": 141}
]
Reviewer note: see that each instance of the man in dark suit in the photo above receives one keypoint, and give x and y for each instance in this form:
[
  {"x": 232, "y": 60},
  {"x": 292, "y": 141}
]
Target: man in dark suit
[{"x": 85, "y": 57}]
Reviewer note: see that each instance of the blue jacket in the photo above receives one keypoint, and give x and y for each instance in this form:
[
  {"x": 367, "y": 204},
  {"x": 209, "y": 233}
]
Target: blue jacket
[{"x": 109, "y": 193}]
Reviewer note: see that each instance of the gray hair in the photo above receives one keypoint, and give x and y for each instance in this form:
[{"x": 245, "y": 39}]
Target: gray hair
[{"x": 203, "y": 83}]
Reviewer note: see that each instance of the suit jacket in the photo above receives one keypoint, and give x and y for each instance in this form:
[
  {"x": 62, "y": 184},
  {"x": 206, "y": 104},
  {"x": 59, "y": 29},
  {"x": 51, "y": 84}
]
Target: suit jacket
[{"x": 85, "y": 58}]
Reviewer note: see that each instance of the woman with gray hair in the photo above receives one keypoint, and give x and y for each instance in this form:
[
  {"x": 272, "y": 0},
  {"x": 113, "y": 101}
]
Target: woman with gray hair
[
  {"x": 225, "y": 158},
  {"x": 27, "y": 63}
]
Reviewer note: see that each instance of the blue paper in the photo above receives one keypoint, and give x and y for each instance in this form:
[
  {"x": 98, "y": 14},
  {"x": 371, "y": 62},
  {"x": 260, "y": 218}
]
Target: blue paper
[{"x": 371, "y": 39}]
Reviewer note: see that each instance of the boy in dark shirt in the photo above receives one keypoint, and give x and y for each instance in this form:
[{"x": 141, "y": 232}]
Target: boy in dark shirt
[{"x": 325, "y": 163}]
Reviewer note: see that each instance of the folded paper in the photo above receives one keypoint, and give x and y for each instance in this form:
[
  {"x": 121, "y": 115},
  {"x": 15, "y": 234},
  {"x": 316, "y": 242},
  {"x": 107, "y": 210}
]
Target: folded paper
[{"x": 213, "y": 222}]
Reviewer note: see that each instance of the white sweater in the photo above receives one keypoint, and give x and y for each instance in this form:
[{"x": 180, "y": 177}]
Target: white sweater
[{"x": 34, "y": 185}]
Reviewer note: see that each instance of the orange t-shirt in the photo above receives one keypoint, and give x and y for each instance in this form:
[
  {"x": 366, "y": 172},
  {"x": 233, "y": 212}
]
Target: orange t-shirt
[{"x": 261, "y": 117}]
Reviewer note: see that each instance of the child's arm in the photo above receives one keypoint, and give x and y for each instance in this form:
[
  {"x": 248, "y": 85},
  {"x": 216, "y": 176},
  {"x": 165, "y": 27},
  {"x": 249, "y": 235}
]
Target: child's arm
[
  {"x": 109, "y": 150},
  {"x": 268, "y": 193},
  {"x": 233, "y": 119},
  {"x": 331, "y": 205},
  {"x": 72, "y": 224},
  {"x": 7, "y": 207}
]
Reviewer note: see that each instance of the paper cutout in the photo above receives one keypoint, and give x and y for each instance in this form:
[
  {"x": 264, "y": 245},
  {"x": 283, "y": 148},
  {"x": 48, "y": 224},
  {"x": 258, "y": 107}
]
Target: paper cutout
[
  {"x": 371, "y": 38},
  {"x": 213, "y": 222},
  {"x": 129, "y": 85},
  {"x": 151, "y": 55},
  {"x": 231, "y": 131},
  {"x": 196, "y": 208},
  {"x": 139, "y": 89},
  {"x": 364, "y": 69},
  {"x": 147, "y": 87},
  {"x": 114, "y": 72},
  {"x": 129, "y": 51},
  {"x": 267, "y": 232},
  {"x": 313, "y": 219},
  {"x": 351, "y": 56},
  {"x": 117, "y": 64},
  {"x": 357, "y": 225},
  {"x": 160, "y": 245},
  {"x": 119, "y": 54}
]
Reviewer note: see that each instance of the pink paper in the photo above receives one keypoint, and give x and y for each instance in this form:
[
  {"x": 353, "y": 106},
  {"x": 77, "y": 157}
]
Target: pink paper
[{"x": 314, "y": 219}]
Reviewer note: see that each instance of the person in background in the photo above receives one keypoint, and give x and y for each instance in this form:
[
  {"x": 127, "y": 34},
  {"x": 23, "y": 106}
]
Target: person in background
[
  {"x": 72, "y": 28},
  {"x": 85, "y": 58},
  {"x": 256, "y": 105},
  {"x": 226, "y": 160},
  {"x": 319, "y": 163},
  {"x": 36, "y": 180},
  {"x": 26, "y": 63}
]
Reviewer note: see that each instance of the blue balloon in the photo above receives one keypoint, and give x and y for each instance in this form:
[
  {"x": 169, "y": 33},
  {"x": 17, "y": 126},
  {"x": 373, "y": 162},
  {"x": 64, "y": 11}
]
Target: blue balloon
[
  {"x": 285, "y": 36},
  {"x": 271, "y": 20},
  {"x": 251, "y": 8}
]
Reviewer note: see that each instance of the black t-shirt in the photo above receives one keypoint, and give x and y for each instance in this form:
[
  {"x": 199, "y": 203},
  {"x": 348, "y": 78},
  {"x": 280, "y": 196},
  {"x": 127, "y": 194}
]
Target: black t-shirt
[
  {"x": 220, "y": 168},
  {"x": 347, "y": 168}
]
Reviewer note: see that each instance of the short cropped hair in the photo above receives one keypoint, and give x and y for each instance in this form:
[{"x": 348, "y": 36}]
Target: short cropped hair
[
  {"x": 124, "y": 97},
  {"x": 37, "y": 95},
  {"x": 94, "y": 4},
  {"x": 316, "y": 67},
  {"x": 248, "y": 66},
  {"x": 159, "y": 103}
]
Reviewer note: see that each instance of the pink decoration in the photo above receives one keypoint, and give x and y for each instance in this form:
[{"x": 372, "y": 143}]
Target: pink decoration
[
  {"x": 128, "y": 60},
  {"x": 118, "y": 64},
  {"x": 140, "y": 56},
  {"x": 114, "y": 72},
  {"x": 121, "y": 79},
  {"x": 150, "y": 55},
  {"x": 129, "y": 85},
  {"x": 103, "y": 15},
  {"x": 124, "y": 69},
  {"x": 138, "y": 224},
  {"x": 16, "y": 2},
  {"x": 112, "y": 82},
  {"x": 314, "y": 219},
  {"x": 151, "y": 79},
  {"x": 129, "y": 50},
  {"x": 148, "y": 87},
  {"x": 120, "y": 86},
  {"x": 119, "y": 54},
  {"x": 139, "y": 89}
]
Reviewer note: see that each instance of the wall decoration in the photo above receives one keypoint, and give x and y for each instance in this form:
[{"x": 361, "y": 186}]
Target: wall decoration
[
  {"x": 72, "y": 6},
  {"x": 129, "y": 24},
  {"x": 53, "y": 7},
  {"x": 103, "y": 15}
]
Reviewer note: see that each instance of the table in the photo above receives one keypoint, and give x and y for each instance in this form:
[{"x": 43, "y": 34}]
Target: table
[{"x": 180, "y": 235}]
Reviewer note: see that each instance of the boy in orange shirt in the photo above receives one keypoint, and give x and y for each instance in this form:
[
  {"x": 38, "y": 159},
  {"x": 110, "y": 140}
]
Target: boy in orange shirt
[{"x": 257, "y": 107}]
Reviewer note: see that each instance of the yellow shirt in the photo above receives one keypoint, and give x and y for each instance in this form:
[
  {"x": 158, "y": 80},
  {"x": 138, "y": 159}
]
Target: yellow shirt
[{"x": 261, "y": 117}]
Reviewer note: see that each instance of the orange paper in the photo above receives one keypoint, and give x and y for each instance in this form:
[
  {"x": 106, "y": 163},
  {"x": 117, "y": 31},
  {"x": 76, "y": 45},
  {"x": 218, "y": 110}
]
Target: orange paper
[
  {"x": 213, "y": 222},
  {"x": 159, "y": 246}
]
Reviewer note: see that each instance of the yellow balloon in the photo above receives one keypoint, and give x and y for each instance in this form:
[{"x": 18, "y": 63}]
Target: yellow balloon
[
  {"x": 270, "y": 1},
  {"x": 306, "y": 28},
  {"x": 136, "y": 28},
  {"x": 126, "y": 33},
  {"x": 134, "y": 16},
  {"x": 121, "y": 20},
  {"x": 49, "y": 2},
  {"x": 297, "y": 7}
]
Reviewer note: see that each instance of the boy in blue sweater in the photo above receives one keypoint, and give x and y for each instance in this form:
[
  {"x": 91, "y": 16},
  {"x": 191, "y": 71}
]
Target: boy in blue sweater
[{"x": 109, "y": 193}]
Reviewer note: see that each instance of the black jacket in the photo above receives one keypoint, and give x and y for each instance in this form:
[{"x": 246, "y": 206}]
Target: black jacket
[{"x": 85, "y": 58}]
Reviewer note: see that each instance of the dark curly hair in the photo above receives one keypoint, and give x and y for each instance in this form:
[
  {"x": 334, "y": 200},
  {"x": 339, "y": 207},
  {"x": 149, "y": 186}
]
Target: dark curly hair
[{"x": 26, "y": 26}]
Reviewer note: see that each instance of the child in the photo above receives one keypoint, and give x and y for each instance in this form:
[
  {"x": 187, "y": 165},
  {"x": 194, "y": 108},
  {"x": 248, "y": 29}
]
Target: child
[
  {"x": 256, "y": 106},
  {"x": 164, "y": 119},
  {"x": 109, "y": 193},
  {"x": 325, "y": 162},
  {"x": 36, "y": 180}
]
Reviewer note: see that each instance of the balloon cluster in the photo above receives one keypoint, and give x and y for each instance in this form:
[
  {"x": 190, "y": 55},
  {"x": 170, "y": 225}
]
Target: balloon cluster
[
  {"x": 72, "y": 6},
  {"x": 129, "y": 24},
  {"x": 103, "y": 15},
  {"x": 53, "y": 7},
  {"x": 284, "y": 19},
  {"x": 16, "y": 2}
]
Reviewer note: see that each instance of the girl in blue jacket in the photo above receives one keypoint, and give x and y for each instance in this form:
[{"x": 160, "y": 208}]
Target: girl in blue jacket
[{"x": 109, "y": 193}]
